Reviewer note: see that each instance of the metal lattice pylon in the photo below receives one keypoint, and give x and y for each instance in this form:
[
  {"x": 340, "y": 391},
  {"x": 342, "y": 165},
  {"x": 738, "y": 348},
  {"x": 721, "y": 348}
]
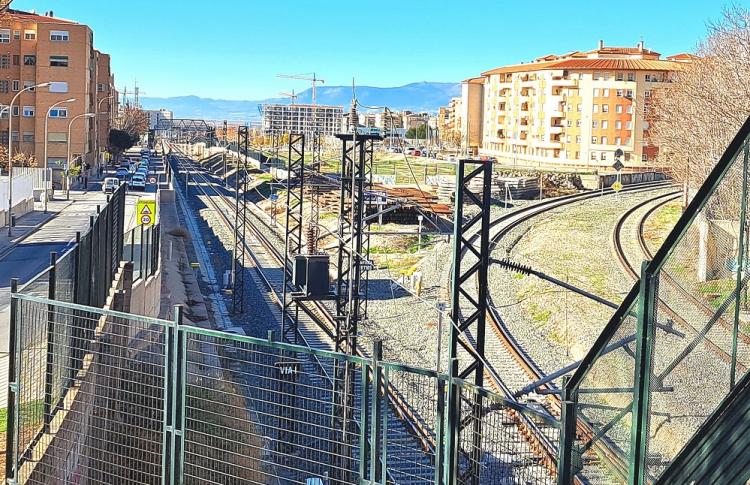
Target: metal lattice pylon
[
  {"x": 240, "y": 222},
  {"x": 469, "y": 312},
  {"x": 295, "y": 187}
]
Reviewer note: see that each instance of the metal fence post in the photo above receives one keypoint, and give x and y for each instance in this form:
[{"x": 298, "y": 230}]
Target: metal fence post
[
  {"x": 568, "y": 421},
  {"x": 440, "y": 433},
  {"x": 376, "y": 468},
  {"x": 740, "y": 266},
  {"x": 76, "y": 266},
  {"x": 50, "y": 342},
  {"x": 454, "y": 425},
  {"x": 174, "y": 391},
  {"x": 642, "y": 378},
  {"x": 140, "y": 254},
  {"x": 11, "y": 454}
]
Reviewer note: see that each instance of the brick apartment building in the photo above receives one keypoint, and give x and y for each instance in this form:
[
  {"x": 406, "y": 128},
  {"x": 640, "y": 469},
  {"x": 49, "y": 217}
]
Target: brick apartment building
[
  {"x": 40, "y": 48},
  {"x": 574, "y": 109}
]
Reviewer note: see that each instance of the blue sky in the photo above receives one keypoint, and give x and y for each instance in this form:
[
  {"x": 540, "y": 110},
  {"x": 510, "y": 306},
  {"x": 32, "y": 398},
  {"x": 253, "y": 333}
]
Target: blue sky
[{"x": 233, "y": 49}]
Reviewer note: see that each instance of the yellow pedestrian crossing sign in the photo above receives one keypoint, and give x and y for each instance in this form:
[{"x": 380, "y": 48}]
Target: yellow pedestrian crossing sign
[
  {"x": 617, "y": 186},
  {"x": 146, "y": 211}
]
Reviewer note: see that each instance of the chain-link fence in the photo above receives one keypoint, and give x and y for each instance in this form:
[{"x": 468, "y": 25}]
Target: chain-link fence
[
  {"x": 107, "y": 397},
  {"x": 676, "y": 347}
]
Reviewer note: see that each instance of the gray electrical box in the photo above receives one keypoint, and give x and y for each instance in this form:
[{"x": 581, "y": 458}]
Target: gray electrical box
[{"x": 310, "y": 275}]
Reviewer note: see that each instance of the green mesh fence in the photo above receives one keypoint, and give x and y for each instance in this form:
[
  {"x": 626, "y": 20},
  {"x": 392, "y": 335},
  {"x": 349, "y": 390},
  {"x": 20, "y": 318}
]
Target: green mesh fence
[{"x": 675, "y": 350}]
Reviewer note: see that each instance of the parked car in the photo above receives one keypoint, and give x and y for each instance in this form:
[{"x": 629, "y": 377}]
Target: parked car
[
  {"x": 110, "y": 184},
  {"x": 122, "y": 173},
  {"x": 138, "y": 181}
]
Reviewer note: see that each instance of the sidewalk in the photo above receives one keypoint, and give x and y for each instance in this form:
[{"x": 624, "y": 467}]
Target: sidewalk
[{"x": 30, "y": 222}]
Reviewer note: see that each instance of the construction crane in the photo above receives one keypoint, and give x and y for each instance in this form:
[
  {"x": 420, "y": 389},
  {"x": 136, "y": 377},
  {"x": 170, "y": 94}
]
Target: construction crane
[
  {"x": 305, "y": 77},
  {"x": 292, "y": 96}
]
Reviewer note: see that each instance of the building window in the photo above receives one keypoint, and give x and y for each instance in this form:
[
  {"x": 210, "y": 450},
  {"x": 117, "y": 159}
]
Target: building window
[
  {"x": 596, "y": 92},
  {"x": 630, "y": 108},
  {"x": 605, "y": 108},
  {"x": 567, "y": 139},
  {"x": 569, "y": 123},
  {"x": 629, "y": 93},
  {"x": 631, "y": 76},
  {"x": 603, "y": 156},
  {"x": 4, "y": 86},
  {"x": 605, "y": 124},
  {"x": 628, "y": 141},
  {"x": 5, "y": 61},
  {"x": 58, "y": 61},
  {"x": 4, "y": 36},
  {"x": 619, "y": 76},
  {"x": 604, "y": 140},
  {"x": 594, "y": 140},
  {"x": 578, "y": 123},
  {"x": 16, "y": 85},
  {"x": 618, "y": 140},
  {"x": 620, "y": 92},
  {"x": 580, "y": 108},
  {"x": 14, "y": 136},
  {"x": 618, "y": 108},
  {"x": 59, "y": 36},
  {"x": 16, "y": 110},
  {"x": 647, "y": 94},
  {"x": 596, "y": 108},
  {"x": 606, "y": 76},
  {"x": 29, "y": 60},
  {"x": 57, "y": 137},
  {"x": 568, "y": 107},
  {"x": 618, "y": 125},
  {"x": 629, "y": 125},
  {"x": 58, "y": 113},
  {"x": 28, "y": 137},
  {"x": 644, "y": 158},
  {"x": 28, "y": 111},
  {"x": 100, "y": 88},
  {"x": 578, "y": 138},
  {"x": 28, "y": 84},
  {"x": 605, "y": 93},
  {"x": 29, "y": 34},
  {"x": 16, "y": 35},
  {"x": 593, "y": 156},
  {"x": 594, "y": 123}
]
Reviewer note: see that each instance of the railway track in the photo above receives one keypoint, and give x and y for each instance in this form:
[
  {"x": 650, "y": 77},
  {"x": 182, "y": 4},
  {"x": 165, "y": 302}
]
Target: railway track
[
  {"x": 507, "y": 357},
  {"x": 411, "y": 442},
  {"x": 717, "y": 339}
]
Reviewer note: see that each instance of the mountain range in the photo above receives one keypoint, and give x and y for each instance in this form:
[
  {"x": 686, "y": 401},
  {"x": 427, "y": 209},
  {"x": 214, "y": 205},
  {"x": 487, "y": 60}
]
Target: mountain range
[{"x": 422, "y": 96}]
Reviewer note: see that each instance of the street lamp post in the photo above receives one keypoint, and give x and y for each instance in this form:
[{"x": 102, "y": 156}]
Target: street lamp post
[
  {"x": 46, "y": 134},
  {"x": 67, "y": 170},
  {"x": 10, "y": 147},
  {"x": 96, "y": 127}
]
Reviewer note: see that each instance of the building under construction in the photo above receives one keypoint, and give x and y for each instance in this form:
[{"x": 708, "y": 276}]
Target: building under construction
[{"x": 302, "y": 118}]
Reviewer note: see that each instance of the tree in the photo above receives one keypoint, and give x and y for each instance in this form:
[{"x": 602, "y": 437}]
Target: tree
[
  {"x": 693, "y": 117},
  {"x": 119, "y": 141},
  {"x": 20, "y": 159},
  {"x": 420, "y": 132},
  {"x": 133, "y": 121}
]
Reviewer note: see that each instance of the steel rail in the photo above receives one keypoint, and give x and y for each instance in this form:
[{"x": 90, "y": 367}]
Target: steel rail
[
  {"x": 318, "y": 314},
  {"x": 668, "y": 310}
]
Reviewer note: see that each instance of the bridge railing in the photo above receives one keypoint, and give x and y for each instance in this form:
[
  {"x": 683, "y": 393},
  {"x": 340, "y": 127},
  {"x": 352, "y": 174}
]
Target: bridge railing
[
  {"x": 677, "y": 345},
  {"x": 111, "y": 397}
]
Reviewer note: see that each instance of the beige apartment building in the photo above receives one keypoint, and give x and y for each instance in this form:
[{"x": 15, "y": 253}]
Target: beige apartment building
[
  {"x": 574, "y": 109},
  {"x": 42, "y": 48}
]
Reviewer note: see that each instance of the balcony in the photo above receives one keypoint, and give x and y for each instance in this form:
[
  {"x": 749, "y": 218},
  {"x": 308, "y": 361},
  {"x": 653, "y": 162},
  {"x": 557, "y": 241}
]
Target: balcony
[
  {"x": 564, "y": 82},
  {"x": 556, "y": 129}
]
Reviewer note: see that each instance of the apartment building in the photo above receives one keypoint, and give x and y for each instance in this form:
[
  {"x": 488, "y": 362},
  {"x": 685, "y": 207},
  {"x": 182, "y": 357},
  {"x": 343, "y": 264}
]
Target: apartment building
[
  {"x": 155, "y": 116},
  {"x": 302, "y": 118},
  {"x": 42, "y": 48},
  {"x": 577, "y": 108}
]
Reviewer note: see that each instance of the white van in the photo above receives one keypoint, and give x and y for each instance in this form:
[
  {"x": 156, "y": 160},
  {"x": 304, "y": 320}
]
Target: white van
[{"x": 110, "y": 184}]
